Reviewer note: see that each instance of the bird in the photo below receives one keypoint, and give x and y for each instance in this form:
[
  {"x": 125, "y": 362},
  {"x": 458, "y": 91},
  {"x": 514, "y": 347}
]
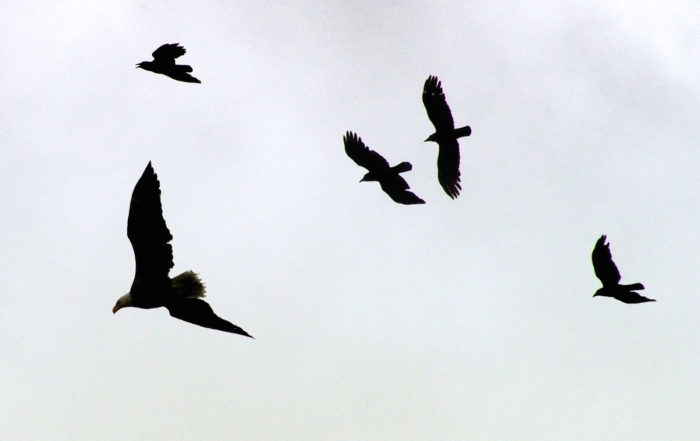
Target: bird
[
  {"x": 164, "y": 63},
  {"x": 389, "y": 178},
  {"x": 445, "y": 136},
  {"x": 606, "y": 270},
  {"x": 152, "y": 286}
]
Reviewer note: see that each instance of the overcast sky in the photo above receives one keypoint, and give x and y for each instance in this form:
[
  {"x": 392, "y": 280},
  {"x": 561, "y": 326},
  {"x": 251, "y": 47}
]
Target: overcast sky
[{"x": 466, "y": 319}]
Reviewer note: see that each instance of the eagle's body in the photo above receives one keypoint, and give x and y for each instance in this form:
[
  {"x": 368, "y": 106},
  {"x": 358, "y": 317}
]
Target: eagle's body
[
  {"x": 152, "y": 286},
  {"x": 445, "y": 136},
  {"x": 606, "y": 270},
  {"x": 164, "y": 63}
]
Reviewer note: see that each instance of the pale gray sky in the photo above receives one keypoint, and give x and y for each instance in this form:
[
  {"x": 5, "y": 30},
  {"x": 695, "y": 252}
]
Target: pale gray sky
[{"x": 456, "y": 320}]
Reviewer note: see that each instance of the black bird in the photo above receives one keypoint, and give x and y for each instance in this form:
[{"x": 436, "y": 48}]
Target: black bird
[
  {"x": 388, "y": 177},
  {"x": 606, "y": 270},
  {"x": 445, "y": 135},
  {"x": 152, "y": 286},
  {"x": 164, "y": 63}
]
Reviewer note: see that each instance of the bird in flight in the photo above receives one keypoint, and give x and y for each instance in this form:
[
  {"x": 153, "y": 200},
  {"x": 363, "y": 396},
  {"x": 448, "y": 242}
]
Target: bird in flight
[
  {"x": 152, "y": 286},
  {"x": 445, "y": 136},
  {"x": 164, "y": 63},
  {"x": 378, "y": 170},
  {"x": 606, "y": 270}
]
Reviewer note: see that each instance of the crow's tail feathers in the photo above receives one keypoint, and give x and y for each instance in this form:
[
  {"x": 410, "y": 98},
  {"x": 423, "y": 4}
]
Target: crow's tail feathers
[
  {"x": 463, "y": 131},
  {"x": 403, "y": 167}
]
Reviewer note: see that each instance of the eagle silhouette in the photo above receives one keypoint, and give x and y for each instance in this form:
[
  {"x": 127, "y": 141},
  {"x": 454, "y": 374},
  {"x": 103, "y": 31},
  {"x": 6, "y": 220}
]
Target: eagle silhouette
[{"x": 152, "y": 286}]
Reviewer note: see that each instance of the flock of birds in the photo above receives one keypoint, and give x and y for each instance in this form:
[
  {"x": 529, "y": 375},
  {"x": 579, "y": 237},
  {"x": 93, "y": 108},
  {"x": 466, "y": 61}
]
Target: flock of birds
[{"x": 182, "y": 295}]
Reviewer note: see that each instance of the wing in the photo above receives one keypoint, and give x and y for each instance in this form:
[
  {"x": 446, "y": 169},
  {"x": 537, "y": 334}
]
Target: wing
[
  {"x": 362, "y": 155},
  {"x": 397, "y": 189},
  {"x": 147, "y": 231},
  {"x": 180, "y": 74},
  {"x": 633, "y": 297},
  {"x": 199, "y": 312},
  {"x": 436, "y": 105},
  {"x": 448, "y": 167},
  {"x": 169, "y": 52},
  {"x": 603, "y": 265}
]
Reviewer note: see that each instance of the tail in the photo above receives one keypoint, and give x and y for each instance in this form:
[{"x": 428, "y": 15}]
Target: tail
[
  {"x": 463, "y": 131},
  {"x": 188, "y": 285},
  {"x": 634, "y": 286},
  {"x": 403, "y": 167}
]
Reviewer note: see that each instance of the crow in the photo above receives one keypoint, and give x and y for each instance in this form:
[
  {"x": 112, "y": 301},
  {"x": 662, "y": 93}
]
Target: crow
[
  {"x": 606, "y": 270},
  {"x": 445, "y": 136},
  {"x": 388, "y": 177},
  {"x": 164, "y": 63},
  {"x": 152, "y": 286}
]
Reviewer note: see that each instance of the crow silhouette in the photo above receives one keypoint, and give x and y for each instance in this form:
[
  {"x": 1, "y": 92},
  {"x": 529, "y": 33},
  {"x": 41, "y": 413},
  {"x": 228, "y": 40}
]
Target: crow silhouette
[
  {"x": 164, "y": 63},
  {"x": 379, "y": 170},
  {"x": 152, "y": 286},
  {"x": 445, "y": 136},
  {"x": 606, "y": 270}
]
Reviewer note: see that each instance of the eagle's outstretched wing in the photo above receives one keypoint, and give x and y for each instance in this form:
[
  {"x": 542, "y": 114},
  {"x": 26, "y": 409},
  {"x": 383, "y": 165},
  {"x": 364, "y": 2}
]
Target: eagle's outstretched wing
[
  {"x": 147, "y": 231},
  {"x": 199, "y": 312}
]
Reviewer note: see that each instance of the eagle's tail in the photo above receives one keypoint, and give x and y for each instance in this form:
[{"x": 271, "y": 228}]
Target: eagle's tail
[{"x": 188, "y": 285}]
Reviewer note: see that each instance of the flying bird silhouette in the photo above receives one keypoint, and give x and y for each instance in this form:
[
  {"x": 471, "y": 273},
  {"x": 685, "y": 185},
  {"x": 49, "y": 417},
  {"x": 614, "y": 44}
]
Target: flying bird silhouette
[
  {"x": 445, "y": 136},
  {"x": 379, "y": 170},
  {"x": 606, "y": 270},
  {"x": 164, "y": 63},
  {"x": 152, "y": 287}
]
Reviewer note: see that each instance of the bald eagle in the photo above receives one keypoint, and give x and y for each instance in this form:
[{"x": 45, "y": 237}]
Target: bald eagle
[
  {"x": 378, "y": 170},
  {"x": 606, "y": 270},
  {"x": 164, "y": 63},
  {"x": 152, "y": 287},
  {"x": 445, "y": 136}
]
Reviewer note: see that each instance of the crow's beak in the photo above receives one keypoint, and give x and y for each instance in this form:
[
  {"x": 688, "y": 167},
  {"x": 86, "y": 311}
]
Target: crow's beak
[{"x": 115, "y": 309}]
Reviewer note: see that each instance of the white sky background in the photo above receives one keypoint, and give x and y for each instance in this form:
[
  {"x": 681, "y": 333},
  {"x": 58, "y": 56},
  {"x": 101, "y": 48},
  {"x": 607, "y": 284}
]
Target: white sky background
[{"x": 456, "y": 320}]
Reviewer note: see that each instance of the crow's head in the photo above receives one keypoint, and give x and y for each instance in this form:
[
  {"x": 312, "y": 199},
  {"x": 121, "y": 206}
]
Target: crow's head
[
  {"x": 432, "y": 137},
  {"x": 369, "y": 177}
]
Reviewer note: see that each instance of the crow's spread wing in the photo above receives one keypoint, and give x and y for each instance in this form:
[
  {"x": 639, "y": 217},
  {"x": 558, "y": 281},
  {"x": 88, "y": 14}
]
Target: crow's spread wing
[
  {"x": 436, "y": 105},
  {"x": 448, "y": 167},
  {"x": 169, "y": 52},
  {"x": 603, "y": 265},
  {"x": 397, "y": 189},
  {"x": 147, "y": 231},
  {"x": 362, "y": 155}
]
